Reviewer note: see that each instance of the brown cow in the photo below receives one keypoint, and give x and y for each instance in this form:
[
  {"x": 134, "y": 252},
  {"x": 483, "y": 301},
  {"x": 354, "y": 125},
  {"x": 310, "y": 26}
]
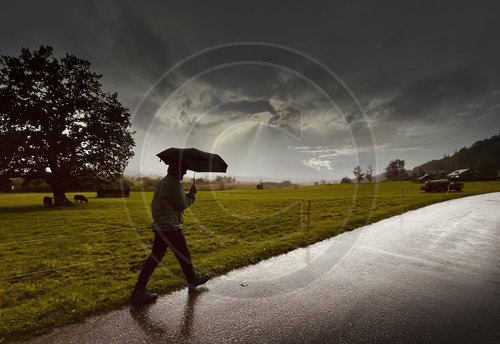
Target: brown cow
[
  {"x": 47, "y": 201},
  {"x": 81, "y": 198}
]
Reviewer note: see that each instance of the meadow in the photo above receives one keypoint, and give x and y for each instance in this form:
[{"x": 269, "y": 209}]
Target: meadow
[{"x": 61, "y": 265}]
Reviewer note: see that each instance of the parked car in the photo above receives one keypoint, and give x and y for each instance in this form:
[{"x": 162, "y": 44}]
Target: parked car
[{"x": 441, "y": 185}]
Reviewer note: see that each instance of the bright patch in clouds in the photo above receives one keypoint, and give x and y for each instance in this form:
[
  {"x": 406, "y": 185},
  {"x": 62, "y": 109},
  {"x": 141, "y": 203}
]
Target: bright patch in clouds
[{"x": 317, "y": 164}]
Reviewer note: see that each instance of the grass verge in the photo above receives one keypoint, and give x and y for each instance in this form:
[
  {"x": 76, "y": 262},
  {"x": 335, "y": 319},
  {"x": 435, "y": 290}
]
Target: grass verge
[{"x": 59, "y": 266}]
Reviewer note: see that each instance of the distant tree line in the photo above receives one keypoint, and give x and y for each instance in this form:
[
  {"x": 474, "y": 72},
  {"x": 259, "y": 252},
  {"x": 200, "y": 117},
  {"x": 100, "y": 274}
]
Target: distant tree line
[
  {"x": 276, "y": 185},
  {"x": 224, "y": 179},
  {"x": 483, "y": 157},
  {"x": 149, "y": 183},
  {"x": 37, "y": 185}
]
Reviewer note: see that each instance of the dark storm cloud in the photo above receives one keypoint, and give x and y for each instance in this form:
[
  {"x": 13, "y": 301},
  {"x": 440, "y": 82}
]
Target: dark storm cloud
[
  {"x": 409, "y": 63},
  {"x": 120, "y": 44},
  {"x": 437, "y": 96},
  {"x": 249, "y": 107},
  {"x": 376, "y": 48}
]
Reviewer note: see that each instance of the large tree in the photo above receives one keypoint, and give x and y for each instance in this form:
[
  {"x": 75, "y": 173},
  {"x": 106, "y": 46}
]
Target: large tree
[
  {"x": 395, "y": 170},
  {"x": 57, "y": 125}
]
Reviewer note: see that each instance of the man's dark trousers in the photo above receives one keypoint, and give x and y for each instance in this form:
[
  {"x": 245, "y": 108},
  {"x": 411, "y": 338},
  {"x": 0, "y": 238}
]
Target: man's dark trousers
[{"x": 163, "y": 239}]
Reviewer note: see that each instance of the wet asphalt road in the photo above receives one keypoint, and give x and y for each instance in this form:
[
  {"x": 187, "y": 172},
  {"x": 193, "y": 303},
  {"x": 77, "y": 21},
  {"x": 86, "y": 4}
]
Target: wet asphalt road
[{"x": 427, "y": 276}]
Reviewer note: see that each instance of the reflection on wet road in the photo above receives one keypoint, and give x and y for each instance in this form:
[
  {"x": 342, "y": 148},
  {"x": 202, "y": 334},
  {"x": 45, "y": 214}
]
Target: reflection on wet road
[{"x": 160, "y": 331}]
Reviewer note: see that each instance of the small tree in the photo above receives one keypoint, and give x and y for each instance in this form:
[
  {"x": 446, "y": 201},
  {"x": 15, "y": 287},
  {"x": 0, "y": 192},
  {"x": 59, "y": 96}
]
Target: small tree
[
  {"x": 57, "y": 125},
  {"x": 358, "y": 173},
  {"x": 346, "y": 180},
  {"x": 369, "y": 173},
  {"x": 323, "y": 182},
  {"x": 395, "y": 170}
]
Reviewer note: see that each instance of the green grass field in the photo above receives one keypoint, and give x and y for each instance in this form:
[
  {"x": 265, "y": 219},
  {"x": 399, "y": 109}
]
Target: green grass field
[{"x": 59, "y": 266}]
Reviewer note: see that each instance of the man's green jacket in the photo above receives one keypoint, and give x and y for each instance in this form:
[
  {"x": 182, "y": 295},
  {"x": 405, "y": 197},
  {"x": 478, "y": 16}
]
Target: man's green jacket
[{"x": 169, "y": 202}]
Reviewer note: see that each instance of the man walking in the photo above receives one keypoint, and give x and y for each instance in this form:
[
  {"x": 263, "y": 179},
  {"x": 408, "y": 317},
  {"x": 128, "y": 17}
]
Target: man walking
[{"x": 169, "y": 202}]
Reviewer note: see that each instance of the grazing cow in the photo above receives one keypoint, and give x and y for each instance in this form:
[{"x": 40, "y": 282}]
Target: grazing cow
[
  {"x": 81, "y": 198},
  {"x": 47, "y": 201}
]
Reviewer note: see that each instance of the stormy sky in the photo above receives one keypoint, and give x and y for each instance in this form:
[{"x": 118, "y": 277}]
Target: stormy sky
[{"x": 284, "y": 89}]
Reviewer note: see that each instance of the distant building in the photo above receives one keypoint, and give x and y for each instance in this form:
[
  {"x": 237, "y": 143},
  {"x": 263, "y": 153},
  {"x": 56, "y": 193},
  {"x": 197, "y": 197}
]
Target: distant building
[
  {"x": 462, "y": 174},
  {"x": 438, "y": 174},
  {"x": 425, "y": 178},
  {"x": 115, "y": 189}
]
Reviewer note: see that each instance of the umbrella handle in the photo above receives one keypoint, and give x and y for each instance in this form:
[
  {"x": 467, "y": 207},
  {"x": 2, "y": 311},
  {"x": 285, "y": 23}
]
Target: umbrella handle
[{"x": 194, "y": 178}]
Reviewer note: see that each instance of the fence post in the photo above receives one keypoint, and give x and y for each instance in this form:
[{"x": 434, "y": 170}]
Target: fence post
[{"x": 308, "y": 215}]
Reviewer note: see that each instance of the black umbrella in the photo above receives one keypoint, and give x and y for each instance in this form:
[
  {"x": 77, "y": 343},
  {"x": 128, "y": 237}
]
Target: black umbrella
[{"x": 194, "y": 159}]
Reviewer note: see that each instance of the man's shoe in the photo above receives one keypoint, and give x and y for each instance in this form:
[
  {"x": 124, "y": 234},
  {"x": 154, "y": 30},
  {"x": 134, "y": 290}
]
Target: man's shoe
[
  {"x": 198, "y": 280},
  {"x": 141, "y": 299}
]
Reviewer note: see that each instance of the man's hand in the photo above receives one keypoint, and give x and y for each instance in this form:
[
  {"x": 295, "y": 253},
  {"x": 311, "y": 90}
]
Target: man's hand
[{"x": 193, "y": 190}]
